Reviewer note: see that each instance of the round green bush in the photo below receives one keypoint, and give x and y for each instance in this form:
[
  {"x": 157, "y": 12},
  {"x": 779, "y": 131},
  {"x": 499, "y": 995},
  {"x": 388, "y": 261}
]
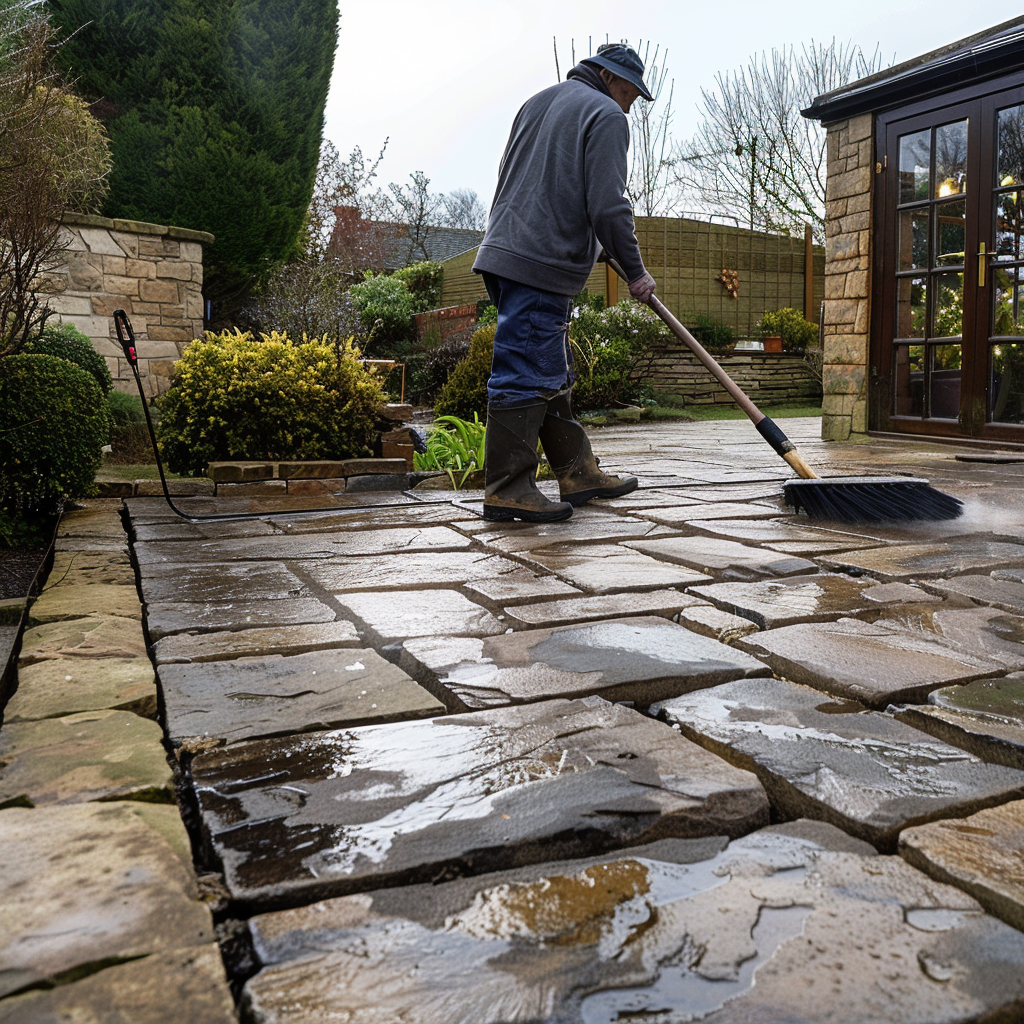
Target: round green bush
[
  {"x": 425, "y": 280},
  {"x": 797, "y": 333},
  {"x": 53, "y": 425},
  {"x": 65, "y": 341},
  {"x": 465, "y": 392},
  {"x": 386, "y": 308},
  {"x": 235, "y": 396}
]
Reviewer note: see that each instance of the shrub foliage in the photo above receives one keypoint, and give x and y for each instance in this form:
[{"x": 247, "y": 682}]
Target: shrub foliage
[
  {"x": 235, "y": 396},
  {"x": 465, "y": 393},
  {"x": 53, "y": 425},
  {"x": 797, "y": 333},
  {"x": 65, "y": 341}
]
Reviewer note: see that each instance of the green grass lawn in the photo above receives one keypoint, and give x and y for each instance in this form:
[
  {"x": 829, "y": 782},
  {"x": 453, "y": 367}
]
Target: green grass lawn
[
  {"x": 700, "y": 413},
  {"x": 133, "y": 471}
]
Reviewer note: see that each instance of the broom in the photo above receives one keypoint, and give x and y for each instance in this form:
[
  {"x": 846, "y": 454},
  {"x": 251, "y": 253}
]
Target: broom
[{"x": 858, "y": 499}]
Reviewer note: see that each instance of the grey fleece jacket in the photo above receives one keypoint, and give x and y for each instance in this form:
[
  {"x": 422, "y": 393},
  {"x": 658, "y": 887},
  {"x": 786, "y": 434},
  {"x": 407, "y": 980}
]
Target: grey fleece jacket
[{"x": 560, "y": 192}]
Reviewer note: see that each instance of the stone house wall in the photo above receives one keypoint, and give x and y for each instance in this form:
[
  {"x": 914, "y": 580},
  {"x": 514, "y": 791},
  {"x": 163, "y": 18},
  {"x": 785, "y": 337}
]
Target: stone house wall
[
  {"x": 848, "y": 211},
  {"x": 153, "y": 272}
]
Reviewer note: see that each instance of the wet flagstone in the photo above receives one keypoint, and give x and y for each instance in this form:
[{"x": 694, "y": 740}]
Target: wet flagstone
[
  {"x": 865, "y": 661},
  {"x": 785, "y": 536},
  {"x": 94, "y": 637},
  {"x": 77, "y": 601},
  {"x": 673, "y": 931},
  {"x": 642, "y": 659},
  {"x": 708, "y": 620},
  {"x": 93, "y": 755},
  {"x": 393, "y": 615},
  {"x": 88, "y": 885},
  {"x": 228, "y": 701},
  {"x": 90, "y": 523},
  {"x": 314, "y": 636},
  {"x": 202, "y": 582},
  {"x": 1006, "y": 594},
  {"x": 339, "y": 812},
  {"x": 76, "y": 567},
  {"x": 519, "y": 587},
  {"x": 948, "y": 558},
  {"x": 819, "y": 598},
  {"x": 686, "y": 514},
  {"x": 980, "y": 854},
  {"x": 186, "y": 985},
  {"x": 166, "y": 617},
  {"x": 859, "y": 769},
  {"x": 604, "y": 568},
  {"x": 724, "y": 557},
  {"x": 666, "y": 603},
  {"x": 56, "y": 687},
  {"x": 416, "y": 570},
  {"x": 985, "y": 717},
  {"x": 584, "y": 529}
]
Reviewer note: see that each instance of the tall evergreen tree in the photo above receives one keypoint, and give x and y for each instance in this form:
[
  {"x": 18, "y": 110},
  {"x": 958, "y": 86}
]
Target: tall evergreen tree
[{"x": 215, "y": 112}]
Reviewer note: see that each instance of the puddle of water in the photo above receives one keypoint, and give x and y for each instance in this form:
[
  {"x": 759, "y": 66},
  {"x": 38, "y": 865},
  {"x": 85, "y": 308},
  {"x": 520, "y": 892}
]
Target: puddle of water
[{"x": 938, "y": 920}]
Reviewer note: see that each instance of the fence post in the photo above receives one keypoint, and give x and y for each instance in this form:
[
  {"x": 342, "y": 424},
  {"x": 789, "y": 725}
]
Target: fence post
[{"x": 611, "y": 286}]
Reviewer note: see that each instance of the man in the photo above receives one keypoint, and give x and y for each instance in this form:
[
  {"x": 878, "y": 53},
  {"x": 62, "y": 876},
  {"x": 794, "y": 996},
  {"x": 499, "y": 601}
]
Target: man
[{"x": 560, "y": 197}]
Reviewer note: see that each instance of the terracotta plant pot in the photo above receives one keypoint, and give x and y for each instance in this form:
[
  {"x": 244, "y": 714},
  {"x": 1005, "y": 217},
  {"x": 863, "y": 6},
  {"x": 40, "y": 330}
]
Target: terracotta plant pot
[{"x": 772, "y": 343}]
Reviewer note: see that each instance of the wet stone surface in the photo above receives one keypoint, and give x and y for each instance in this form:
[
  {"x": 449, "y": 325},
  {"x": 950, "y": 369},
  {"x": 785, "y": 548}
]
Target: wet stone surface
[
  {"x": 818, "y": 598},
  {"x": 588, "y": 527},
  {"x": 642, "y": 659},
  {"x": 980, "y": 854},
  {"x": 724, "y": 558},
  {"x": 203, "y": 582},
  {"x": 834, "y": 760},
  {"x": 985, "y": 717},
  {"x": 781, "y": 535},
  {"x": 167, "y": 617},
  {"x": 227, "y": 701},
  {"x": 93, "y": 637},
  {"x": 86, "y": 885},
  {"x": 86, "y": 567},
  {"x": 673, "y": 931},
  {"x": 410, "y": 572},
  {"x": 666, "y": 603},
  {"x": 74, "y": 601},
  {"x": 518, "y": 587},
  {"x": 394, "y": 615},
  {"x": 949, "y": 558},
  {"x": 999, "y": 593},
  {"x": 339, "y": 812},
  {"x": 699, "y": 512},
  {"x": 873, "y": 663},
  {"x": 283, "y": 640},
  {"x": 94, "y": 755}
]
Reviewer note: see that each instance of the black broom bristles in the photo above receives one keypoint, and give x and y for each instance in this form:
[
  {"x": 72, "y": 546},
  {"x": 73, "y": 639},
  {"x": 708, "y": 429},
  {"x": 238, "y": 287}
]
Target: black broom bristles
[{"x": 871, "y": 499}]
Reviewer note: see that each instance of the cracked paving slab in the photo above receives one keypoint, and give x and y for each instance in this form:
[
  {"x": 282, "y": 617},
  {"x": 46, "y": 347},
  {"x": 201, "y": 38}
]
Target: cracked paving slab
[
  {"x": 877, "y": 663},
  {"x": 641, "y": 660},
  {"x": 163, "y": 618},
  {"x": 835, "y": 760},
  {"x": 794, "y": 923},
  {"x": 273, "y": 695},
  {"x": 338, "y": 812},
  {"x": 724, "y": 557}
]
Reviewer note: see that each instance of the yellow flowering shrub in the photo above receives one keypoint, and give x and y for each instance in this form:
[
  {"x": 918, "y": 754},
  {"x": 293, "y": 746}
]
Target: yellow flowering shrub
[{"x": 236, "y": 396}]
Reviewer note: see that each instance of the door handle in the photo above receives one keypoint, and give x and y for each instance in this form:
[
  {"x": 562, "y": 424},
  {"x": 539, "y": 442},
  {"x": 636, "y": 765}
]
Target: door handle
[{"x": 982, "y": 264}]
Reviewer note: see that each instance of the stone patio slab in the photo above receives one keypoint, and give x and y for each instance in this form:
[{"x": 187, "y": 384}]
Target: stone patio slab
[
  {"x": 819, "y": 598},
  {"x": 91, "y": 523},
  {"x": 94, "y": 755},
  {"x": 724, "y": 557},
  {"x": 860, "y": 770},
  {"x": 705, "y": 510},
  {"x": 948, "y": 558},
  {"x": 605, "y": 568},
  {"x": 665, "y": 603},
  {"x": 642, "y": 659},
  {"x": 147, "y": 528},
  {"x": 866, "y": 662},
  {"x": 88, "y": 885},
  {"x": 418, "y": 570},
  {"x": 785, "y": 536},
  {"x": 980, "y": 854},
  {"x": 793, "y": 923},
  {"x": 284, "y": 640},
  {"x": 393, "y": 615},
  {"x": 166, "y": 617},
  {"x": 57, "y": 687},
  {"x": 189, "y": 985},
  {"x": 79, "y": 601},
  {"x": 518, "y": 588},
  {"x": 999, "y": 593},
  {"x": 95, "y": 637},
  {"x": 416, "y": 801},
  {"x": 591, "y": 528},
  {"x": 710, "y": 621},
  {"x": 202, "y": 582},
  {"x": 226, "y": 701},
  {"x": 985, "y": 717},
  {"x": 76, "y": 567}
]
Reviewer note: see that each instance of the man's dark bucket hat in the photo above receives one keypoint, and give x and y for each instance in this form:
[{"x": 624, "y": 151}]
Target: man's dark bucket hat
[{"x": 623, "y": 61}]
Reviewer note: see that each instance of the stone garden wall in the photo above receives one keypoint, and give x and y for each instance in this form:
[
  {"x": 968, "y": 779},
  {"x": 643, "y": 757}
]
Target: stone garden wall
[
  {"x": 847, "y": 277},
  {"x": 153, "y": 272}
]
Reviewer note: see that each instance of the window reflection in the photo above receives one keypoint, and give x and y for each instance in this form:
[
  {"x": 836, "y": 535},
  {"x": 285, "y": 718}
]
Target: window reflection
[
  {"x": 950, "y": 232},
  {"x": 1010, "y": 147},
  {"x": 915, "y": 156},
  {"x": 1006, "y": 383},
  {"x": 944, "y": 381},
  {"x": 913, "y": 245},
  {"x": 908, "y": 375},
  {"x": 1007, "y": 285},
  {"x": 948, "y": 290},
  {"x": 912, "y": 307},
  {"x": 950, "y": 159},
  {"x": 1008, "y": 226}
]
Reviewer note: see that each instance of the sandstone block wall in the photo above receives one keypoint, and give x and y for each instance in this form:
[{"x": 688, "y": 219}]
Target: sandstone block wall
[
  {"x": 153, "y": 272},
  {"x": 848, "y": 211}
]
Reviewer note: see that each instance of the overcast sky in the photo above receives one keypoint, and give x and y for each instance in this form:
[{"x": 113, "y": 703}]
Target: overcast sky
[{"x": 442, "y": 79}]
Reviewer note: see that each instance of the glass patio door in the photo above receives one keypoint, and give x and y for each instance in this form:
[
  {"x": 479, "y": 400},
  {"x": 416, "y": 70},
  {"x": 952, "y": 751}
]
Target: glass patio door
[{"x": 948, "y": 348}]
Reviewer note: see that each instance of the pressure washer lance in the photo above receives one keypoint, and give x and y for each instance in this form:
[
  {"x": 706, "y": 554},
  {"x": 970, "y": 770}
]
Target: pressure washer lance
[
  {"x": 857, "y": 499},
  {"x": 126, "y": 336}
]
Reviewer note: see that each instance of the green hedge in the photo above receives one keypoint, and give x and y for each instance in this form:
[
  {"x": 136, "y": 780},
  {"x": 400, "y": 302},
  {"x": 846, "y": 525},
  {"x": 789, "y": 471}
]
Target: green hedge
[
  {"x": 53, "y": 425},
  {"x": 65, "y": 341},
  {"x": 235, "y": 396}
]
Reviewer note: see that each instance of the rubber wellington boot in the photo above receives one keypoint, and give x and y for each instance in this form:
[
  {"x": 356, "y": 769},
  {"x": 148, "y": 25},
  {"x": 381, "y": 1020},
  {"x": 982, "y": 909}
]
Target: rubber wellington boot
[
  {"x": 569, "y": 453},
  {"x": 510, "y": 467}
]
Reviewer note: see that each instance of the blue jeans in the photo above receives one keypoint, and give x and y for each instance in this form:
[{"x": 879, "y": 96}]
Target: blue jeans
[{"x": 532, "y": 354}]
